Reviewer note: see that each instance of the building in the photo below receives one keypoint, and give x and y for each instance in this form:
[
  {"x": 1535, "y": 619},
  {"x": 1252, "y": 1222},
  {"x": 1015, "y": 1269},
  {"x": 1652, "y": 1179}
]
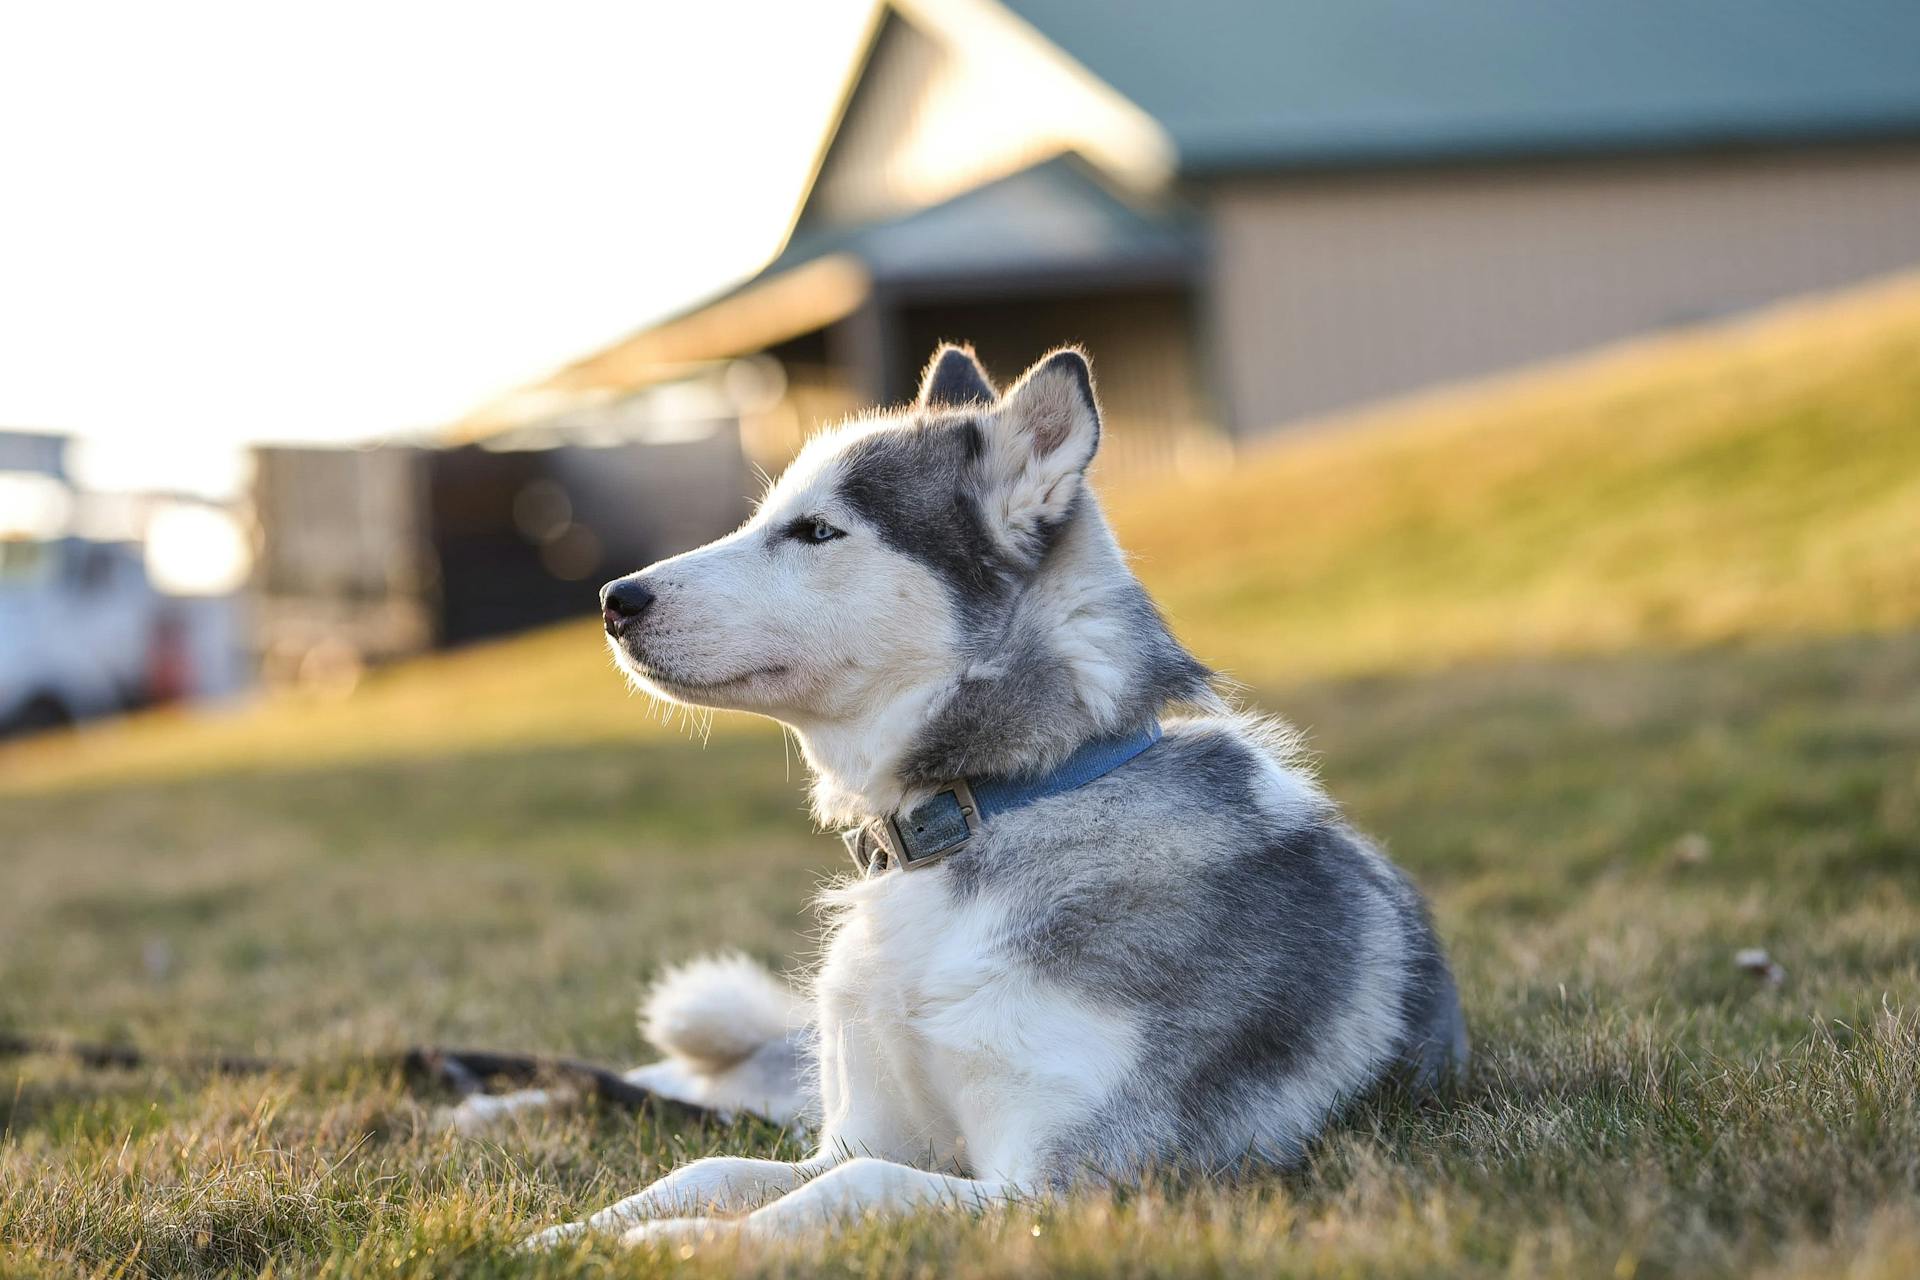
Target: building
[
  {"x": 369, "y": 554},
  {"x": 1256, "y": 213}
]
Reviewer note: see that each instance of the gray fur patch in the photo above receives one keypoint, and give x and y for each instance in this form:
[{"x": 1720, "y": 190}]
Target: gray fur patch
[
  {"x": 1021, "y": 712},
  {"x": 915, "y": 486}
]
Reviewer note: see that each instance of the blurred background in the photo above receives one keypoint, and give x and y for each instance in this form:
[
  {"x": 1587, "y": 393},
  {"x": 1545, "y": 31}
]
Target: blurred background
[
  {"x": 324, "y": 344},
  {"x": 1520, "y": 396}
]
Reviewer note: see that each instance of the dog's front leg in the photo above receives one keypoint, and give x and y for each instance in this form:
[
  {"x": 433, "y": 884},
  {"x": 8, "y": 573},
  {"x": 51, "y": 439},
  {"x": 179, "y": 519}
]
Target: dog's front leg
[
  {"x": 718, "y": 1184},
  {"x": 863, "y": 1187}
]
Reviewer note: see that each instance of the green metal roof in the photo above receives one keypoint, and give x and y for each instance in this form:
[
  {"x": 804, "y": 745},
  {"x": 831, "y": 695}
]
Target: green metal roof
[
  {"x": 1249, "y": 84},
  {"x": 1056, "y": 219}
]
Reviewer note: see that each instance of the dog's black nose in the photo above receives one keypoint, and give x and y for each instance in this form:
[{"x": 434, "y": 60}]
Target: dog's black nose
[{"x": 623, "y": 601}]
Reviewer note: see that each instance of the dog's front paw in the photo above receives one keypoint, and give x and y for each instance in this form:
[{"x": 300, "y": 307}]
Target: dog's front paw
[{"x": 553, "y": 1237}]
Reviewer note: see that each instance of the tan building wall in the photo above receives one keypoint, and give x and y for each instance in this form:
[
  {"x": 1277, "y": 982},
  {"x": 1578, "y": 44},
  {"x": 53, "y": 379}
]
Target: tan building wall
[{"x": 1334, "y": 290}]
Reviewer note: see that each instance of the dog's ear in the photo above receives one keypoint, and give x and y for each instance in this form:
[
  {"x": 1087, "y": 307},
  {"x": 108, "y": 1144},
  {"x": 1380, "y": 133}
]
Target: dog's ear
[
  {"x": 953, "y": 379},
  {"x": 1040, "y": 440}
]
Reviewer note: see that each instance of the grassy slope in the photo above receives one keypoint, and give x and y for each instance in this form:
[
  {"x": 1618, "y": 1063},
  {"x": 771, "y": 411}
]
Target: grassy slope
[
  {"x": 455, "y": 855},
  {"x": 1759, "y": 478}
]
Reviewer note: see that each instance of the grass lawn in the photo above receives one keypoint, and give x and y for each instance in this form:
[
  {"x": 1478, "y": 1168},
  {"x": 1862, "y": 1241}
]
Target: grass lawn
[{"x": 1622, "y": 662}]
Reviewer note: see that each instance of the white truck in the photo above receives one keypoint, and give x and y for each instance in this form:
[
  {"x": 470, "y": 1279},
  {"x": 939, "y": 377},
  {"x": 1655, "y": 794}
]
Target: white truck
[{"x": 82, "y": 633}]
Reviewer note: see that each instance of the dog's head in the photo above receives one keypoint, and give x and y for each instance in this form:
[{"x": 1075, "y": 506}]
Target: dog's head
[{"x": 879, "y": 560}]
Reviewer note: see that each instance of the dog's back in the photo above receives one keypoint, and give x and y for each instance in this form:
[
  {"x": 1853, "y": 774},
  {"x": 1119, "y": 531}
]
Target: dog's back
[{"x": 1266, "y": 960}]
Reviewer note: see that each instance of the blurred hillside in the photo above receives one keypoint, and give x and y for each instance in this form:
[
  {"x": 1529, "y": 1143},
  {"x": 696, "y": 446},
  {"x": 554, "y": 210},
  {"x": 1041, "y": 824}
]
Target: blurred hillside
[
  {"x": 1753, "y": 479},
  {"x": 1757, "y": 478}
]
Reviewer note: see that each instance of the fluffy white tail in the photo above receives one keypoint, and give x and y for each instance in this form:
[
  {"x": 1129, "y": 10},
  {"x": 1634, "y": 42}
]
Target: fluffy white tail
[
  {"x": 716, "y": 1012},
  {"x": 735, "y": 1038}
]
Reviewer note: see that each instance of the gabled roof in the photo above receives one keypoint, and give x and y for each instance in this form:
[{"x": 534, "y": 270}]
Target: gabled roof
[
  {"x": 1055, "y": 224},
  {"x": 1203, "y": 87},
  {"x": 1254, "y": 84}
]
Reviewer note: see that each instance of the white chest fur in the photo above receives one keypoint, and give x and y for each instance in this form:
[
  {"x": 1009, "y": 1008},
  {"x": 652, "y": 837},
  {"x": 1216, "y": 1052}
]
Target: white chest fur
[{"x": 939, "y": 1042}]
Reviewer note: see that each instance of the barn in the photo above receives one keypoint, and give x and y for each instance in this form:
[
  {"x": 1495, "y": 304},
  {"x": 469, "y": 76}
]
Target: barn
[{"x": 1257, "y": 214}]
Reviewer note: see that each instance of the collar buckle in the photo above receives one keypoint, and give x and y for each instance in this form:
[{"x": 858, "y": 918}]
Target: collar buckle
[{"x": 944, "y": 823}]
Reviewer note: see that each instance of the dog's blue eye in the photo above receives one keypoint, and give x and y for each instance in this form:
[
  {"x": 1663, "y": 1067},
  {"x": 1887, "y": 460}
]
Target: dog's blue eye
[{"x": 814, "y": 529}]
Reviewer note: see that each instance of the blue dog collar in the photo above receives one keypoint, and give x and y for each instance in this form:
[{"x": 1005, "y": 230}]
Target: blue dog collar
[{"x": 946, "y": 821}]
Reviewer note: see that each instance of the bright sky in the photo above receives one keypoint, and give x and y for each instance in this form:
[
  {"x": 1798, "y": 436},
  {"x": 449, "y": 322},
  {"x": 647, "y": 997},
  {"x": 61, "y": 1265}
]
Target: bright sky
[{"x": 267, "y": 221}]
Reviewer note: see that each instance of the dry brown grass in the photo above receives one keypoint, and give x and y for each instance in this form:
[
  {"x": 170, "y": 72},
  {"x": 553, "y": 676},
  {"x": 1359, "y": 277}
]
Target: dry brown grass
[{"x": 1599, "y": 837}]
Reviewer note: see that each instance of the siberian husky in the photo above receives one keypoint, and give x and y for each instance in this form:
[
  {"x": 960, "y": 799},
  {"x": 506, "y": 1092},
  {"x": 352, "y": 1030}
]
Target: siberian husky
[{"x": 1100, "y": 921}]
